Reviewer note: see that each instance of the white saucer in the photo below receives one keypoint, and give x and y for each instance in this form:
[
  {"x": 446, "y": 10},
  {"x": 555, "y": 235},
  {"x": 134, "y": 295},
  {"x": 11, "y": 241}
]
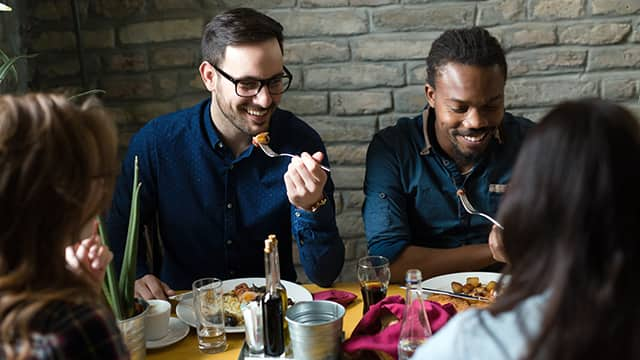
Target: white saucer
[{"x": 177, "y": 331}]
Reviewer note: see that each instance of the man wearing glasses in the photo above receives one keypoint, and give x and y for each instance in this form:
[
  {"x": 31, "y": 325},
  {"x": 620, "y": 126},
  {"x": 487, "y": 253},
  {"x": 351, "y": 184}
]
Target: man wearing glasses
[{"x": 209, "y": 198}]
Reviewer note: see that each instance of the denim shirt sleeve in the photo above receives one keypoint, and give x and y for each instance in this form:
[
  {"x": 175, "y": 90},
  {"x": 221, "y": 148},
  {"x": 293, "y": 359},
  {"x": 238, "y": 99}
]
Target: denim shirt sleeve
[
  {"x": 316, "y": 234},
  {"x": 384, "y": 211},
  {"x": 142, "y": 145}
]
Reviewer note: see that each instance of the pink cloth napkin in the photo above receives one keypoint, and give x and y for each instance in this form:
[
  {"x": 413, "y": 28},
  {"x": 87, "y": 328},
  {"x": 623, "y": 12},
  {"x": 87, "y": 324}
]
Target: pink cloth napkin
[
  {"x": 343, "y": 298},
  {"x": 369, "y": 335}
]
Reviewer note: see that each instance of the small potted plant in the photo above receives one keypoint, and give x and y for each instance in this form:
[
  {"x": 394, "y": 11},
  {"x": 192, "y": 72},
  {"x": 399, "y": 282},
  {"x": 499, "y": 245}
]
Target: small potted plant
[{"x": 128, "y": 310}]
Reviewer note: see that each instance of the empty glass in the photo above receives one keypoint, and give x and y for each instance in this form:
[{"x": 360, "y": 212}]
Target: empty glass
[
  {"x": 208, "y": 306},
  {"x": 374, "y": 276}
]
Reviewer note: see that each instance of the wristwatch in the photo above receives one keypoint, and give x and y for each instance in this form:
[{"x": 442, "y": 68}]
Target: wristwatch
[{"x": 319, "y": 203}]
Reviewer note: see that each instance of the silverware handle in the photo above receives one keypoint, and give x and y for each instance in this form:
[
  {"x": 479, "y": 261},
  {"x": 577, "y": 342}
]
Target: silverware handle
[{"x": 494, "y": 221}]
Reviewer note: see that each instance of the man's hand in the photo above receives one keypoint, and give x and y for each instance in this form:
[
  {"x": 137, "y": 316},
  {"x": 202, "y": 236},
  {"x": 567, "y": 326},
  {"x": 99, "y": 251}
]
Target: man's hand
[
  {"x": 150, "y": 287},
  {"x": 305, "y": 180},
  {"x": 496, "y": 246},
  {"x": 89, "y": 259}
]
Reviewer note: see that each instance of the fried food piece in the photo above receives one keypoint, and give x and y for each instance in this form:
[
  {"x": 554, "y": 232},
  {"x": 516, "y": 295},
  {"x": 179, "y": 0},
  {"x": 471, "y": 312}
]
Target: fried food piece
[
  {"x": 261, "y": 138},
  {"x": 473, "y": 281},
  {"x": 456, "y": 287}
]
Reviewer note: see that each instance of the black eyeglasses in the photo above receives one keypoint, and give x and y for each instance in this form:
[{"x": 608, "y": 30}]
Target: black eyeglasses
[{"x": 251, "y": 87}]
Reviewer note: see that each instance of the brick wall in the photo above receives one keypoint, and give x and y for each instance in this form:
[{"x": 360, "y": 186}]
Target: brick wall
[{"x": 358, "y": 64}]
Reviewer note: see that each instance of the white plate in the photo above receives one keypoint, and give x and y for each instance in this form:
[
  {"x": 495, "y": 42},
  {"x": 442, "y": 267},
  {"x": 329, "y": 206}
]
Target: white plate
[
  {"x": 184, "y": 309},
  {"x": 443, "y": 282},
  {"x": 177, "y": 331}
]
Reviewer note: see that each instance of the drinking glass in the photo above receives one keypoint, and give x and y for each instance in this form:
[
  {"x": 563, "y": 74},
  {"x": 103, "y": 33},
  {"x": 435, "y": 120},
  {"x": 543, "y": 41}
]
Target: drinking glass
[
  {"x": 373, "y": 275},
  {"x": 208, "y": 306}
]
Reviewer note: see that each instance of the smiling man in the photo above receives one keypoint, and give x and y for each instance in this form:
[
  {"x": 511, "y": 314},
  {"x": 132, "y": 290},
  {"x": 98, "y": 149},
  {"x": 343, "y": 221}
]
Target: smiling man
[
  {"x": 209, "y": 198},
  {"x": 462, "y": 140}
]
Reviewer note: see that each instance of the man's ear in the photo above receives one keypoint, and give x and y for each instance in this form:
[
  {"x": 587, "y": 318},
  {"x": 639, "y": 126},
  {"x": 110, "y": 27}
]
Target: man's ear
[
  {"x": 430, "y": 94},
  {"x": 208, "y": 75}
]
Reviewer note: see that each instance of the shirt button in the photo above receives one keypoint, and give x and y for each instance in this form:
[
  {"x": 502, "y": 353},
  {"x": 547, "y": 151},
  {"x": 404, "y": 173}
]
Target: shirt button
[
  {"x": 229, "y": 242},
  {"x": 229, "y": 205},
  {"x": 382, "y": 196},
  {"x": 220, "y": 145},
  {"x": 297, "y": 214},
  {"x": 446, "y": 162}
]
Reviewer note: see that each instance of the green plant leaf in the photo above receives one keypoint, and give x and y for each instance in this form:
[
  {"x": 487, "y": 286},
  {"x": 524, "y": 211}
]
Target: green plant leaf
[
  {"x": 128, "y": 271},
  {"x": 86, "y": 93},
  {"x": 110, "y": 287},
  {"x": 8, "y": 62}
]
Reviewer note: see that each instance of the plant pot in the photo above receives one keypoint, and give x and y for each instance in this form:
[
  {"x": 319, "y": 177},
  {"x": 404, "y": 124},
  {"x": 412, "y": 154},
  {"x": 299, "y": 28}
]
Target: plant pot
[{"x": 132, "y": 330}]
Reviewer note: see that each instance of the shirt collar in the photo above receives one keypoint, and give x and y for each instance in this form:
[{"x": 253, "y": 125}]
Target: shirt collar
[{"x": 428, "y": 116}]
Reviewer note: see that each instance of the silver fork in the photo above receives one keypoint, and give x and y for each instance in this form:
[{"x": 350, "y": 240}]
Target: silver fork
[
  {"x": 472, "y": 210},
  {"x": 270, "y": 153}
]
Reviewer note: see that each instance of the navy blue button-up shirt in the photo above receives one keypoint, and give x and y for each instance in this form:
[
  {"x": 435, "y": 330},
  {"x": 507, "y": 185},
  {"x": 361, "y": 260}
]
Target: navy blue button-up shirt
[
  {"x": 211, "y": 211},
  {"x": 410, "y": 187}
]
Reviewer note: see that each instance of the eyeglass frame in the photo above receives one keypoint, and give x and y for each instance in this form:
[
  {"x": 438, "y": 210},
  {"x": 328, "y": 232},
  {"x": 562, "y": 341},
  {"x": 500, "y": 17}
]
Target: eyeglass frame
[{"x": 263, "y": 82}]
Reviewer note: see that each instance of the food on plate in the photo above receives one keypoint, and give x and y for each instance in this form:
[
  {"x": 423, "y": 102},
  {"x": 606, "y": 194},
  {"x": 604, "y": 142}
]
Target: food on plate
[
  {"x": 234, "y": 299},
  {"x": 472, "y": 287},
  {"x": 261, "y": 138}
]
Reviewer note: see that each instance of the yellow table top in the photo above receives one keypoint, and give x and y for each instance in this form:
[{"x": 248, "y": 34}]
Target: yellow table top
[{"x": 188, "y": 348}]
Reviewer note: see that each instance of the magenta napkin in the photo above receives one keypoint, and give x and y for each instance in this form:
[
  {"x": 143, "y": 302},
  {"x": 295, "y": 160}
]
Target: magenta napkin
[
  {"x": 369, "y": 334},
  {"x": 343, "y": 298}
]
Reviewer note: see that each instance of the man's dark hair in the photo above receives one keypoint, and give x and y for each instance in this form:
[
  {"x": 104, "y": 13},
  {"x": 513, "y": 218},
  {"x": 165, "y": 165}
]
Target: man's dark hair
[
  {"x": 234, "y": 27},
  {"x": 470, "y": 46}
]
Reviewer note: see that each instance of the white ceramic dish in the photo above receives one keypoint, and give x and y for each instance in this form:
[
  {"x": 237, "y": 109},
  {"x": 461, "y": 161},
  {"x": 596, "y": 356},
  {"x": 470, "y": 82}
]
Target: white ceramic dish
[
  {"x": 178, "y": 330},
  {"x": 184, "y": 309},
  {"x": 443, "y": 282}
]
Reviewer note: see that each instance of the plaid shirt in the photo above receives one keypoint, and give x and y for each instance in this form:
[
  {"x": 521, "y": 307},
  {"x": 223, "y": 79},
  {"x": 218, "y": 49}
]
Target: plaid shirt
[{"x": 75, "y": 331}]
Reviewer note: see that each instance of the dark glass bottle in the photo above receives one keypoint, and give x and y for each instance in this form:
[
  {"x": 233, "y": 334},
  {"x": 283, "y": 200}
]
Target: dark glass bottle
[{"x": 273, "y": 301}]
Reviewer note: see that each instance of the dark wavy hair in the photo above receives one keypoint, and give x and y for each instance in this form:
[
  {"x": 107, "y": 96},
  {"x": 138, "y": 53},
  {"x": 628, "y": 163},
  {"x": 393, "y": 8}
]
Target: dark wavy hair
[
  {"x": 571, "y": 217},
  {"x": 467, "y": 46},
  {"x": 234, "y": 27},
  {"x": 58, "y": 163}
]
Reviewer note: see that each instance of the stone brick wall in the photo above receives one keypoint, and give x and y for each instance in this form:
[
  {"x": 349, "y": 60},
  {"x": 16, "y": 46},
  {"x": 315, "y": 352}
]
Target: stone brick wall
[{"x": 358, "y": 64}]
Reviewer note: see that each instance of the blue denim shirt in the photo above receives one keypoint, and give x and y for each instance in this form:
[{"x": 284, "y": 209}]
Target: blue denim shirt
[
  {"x": 410, "y": 187},
  {"x": 212, "y": 212}
]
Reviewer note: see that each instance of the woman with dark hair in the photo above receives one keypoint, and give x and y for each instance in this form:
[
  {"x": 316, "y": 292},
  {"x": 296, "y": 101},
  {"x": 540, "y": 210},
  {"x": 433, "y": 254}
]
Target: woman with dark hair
[
  {"x": 571, "y": 217},
  {"x": 57, "y": 169}
]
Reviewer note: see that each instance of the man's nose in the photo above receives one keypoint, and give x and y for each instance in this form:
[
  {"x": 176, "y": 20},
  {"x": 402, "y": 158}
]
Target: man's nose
[
  {"x": 475, "y": 120},
  {"x": 263, "y": 97}
]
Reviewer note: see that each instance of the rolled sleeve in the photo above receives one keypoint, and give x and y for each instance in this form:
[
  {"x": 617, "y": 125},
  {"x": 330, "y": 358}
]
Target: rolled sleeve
[{"x": 384, "y": 211}]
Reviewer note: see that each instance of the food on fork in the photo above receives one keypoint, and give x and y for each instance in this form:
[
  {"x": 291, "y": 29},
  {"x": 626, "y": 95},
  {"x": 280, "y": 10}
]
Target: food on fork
[{"x": 261, "y": 138}]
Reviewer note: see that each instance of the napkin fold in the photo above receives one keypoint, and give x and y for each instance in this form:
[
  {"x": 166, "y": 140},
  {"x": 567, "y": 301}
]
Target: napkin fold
[
  {"x": 376, "y": 333},
  {"x": 343, "y": 298}
]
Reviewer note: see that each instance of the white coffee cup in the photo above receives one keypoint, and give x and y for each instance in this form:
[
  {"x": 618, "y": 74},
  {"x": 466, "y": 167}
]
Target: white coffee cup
[{"x": 156, "y": 323}]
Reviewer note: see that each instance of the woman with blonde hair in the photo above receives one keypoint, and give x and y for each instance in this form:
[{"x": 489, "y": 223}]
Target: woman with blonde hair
[{"x": 57, "y": 169}]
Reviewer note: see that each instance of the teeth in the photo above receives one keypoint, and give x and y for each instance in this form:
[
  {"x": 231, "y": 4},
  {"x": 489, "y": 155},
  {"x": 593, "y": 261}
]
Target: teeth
[
  {"x": 474, "y": 138},
  {"x": 256, "y": 112}
]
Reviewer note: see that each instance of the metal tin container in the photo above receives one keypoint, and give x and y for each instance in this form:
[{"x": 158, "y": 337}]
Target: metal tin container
[{"x": 315, "y": 328}]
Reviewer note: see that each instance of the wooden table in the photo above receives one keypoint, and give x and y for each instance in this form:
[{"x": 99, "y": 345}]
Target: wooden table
[{"x": 188, "y": 348}]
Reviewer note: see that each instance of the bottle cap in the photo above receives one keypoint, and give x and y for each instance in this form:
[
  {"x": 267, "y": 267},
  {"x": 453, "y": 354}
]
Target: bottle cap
[{"x": 414, "y": 276}]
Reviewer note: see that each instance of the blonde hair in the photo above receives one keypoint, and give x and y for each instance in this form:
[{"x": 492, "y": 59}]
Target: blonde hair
[{"x": 57, "y": 170}]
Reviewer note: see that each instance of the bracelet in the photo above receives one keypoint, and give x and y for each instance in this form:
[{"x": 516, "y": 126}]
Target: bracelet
[{"x": 319, "y": 203}]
